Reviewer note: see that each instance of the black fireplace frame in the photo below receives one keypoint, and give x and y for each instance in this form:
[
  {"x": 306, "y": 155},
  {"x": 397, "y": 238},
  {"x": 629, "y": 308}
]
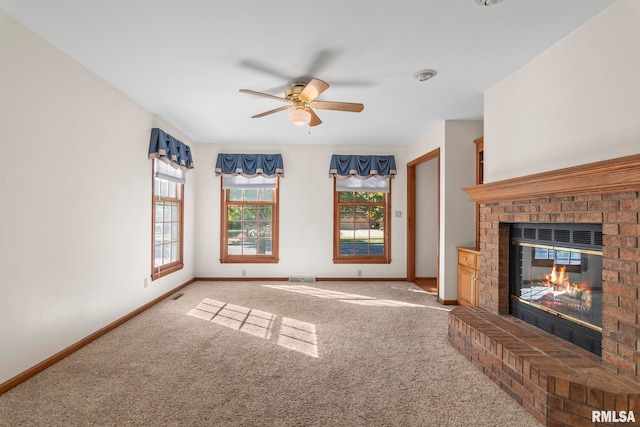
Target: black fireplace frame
[{"x": 585, "y": 236}]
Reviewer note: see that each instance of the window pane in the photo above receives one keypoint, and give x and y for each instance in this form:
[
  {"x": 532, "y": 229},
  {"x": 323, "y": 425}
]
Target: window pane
[
  {"x": 234, "y": 229},
  {"x": 172, "y": 189},
  {"x": 234, "y": 213},
  {"x": 361, "y": 196},
  {"x": 174, "y": 252},
  {"x": 264, "y": 229},
  {"x": 249, "y": 213},
  {"x": 166, "y": 253},
  {"x": 361, "y": 218},
  {"x": 235, "y": 194},
  {"x": 175, "y": 231},
  {"x": 158, "y": 211},
  {"x": 249, "y": 247},
  {"x": 347, "y": 241},
  {"x": 166, "y": 235},
  {"x": 164, "y": 187},
  {"x": 175, "y": 212},
  {"x": 234, "y": 232},
  {"x": 264, "y": 212},
  {"x": 158, "y": 234},
  {"x": 264, "y": 246},
  {"x": 345, "y": 196},
  {"x": 156, "y": 186},
  {"x": 265, "y": 194},
  {"x": 249, "y": 229},
  {"x": 376, "y": 197},
  {"x": 376, "y": 247},
  {"x": 250, "y": 194},
  {"x": 167, "y": 211},
  {"x": 376, "y": 217},
  {"x": 346, "y": 218},
  {"x": 157, "y": 260}
]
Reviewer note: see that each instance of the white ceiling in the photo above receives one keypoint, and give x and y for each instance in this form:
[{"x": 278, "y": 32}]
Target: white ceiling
[{"x": 185, "y": 60}]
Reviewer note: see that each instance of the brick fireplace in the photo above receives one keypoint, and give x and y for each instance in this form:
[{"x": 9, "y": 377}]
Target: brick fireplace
[{"x": 519, "y": 357}]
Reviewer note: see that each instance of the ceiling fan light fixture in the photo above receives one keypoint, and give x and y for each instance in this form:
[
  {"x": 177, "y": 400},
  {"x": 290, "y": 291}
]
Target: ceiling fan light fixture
[{"x": 299, "y": 117}]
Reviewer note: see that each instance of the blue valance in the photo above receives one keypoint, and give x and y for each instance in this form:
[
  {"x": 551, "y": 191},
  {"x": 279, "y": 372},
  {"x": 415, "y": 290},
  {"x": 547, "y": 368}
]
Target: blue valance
[
  {"x": 168, "y": 149},
  {"x": 344, "y": 165},
  {"x": 249, "y": 165}
]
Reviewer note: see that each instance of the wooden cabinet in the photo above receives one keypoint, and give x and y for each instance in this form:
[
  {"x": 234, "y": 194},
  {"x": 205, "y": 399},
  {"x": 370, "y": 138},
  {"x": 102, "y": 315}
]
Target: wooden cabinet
[{"x": 468, "y": 275}]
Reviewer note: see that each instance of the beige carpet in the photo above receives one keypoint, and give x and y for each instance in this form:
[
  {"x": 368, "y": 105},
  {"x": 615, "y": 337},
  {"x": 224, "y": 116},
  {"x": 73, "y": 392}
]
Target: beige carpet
[{"x": 271, "y": 354}]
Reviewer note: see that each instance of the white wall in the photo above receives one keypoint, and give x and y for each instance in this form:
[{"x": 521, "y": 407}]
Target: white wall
[
  {"x": 578, "y": 102},
  {"x": 306, "y": 214},
  {"x": 427, "y": 219},
  {"x": 76, "y": 189},
  {"x": 458, "y": 223},
  {"x": 457, "y": 213}
]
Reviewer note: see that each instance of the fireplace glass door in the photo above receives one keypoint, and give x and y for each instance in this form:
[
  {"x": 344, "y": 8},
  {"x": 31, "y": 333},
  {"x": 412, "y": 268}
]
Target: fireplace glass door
[
  {"x": 561, "y": 281},
  {"x": 555, "y": 280}
]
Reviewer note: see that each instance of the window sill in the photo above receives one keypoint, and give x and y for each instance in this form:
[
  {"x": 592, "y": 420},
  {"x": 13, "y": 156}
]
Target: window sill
[
  {"x": 250, "y": 259},
  {"x": 165, "y": 270},
  {"x": 362, "y": 260}
]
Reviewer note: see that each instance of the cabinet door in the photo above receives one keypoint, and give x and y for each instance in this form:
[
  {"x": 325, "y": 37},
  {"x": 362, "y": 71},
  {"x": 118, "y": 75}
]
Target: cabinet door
[{"x": 466, "y": 285}]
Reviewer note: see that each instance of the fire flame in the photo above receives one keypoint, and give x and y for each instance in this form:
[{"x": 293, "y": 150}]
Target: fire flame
[{"x": 561, "y": 283}]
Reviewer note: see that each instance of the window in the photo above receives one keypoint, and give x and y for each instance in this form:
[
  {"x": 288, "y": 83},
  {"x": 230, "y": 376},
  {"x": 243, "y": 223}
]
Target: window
[
  {"x": 361, "y": 224},
  {"x": 249, "y": 225},
  {"x": 167, "y": 219}
]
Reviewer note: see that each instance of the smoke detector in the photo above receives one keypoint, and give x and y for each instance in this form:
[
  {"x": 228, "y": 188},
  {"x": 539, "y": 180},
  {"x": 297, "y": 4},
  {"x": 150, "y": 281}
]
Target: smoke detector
[
  {"x": 487, "y": 2},
  {"x": 423, "y": 75}
]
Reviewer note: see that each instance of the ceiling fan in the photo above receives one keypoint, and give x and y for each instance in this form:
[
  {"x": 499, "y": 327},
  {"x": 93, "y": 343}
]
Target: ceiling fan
[{"x": 301, "y": 98}]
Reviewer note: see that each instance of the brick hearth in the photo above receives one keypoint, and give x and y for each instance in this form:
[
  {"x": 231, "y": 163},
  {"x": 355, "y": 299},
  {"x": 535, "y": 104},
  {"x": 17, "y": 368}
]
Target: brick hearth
[
  {"x": 557, "y": 382},
  {"x": 606, "y": 193}
]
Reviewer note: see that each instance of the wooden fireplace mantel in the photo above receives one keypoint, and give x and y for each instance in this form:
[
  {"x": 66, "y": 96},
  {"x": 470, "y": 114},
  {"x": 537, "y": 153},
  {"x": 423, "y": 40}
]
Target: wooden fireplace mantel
[{"x": 609, "y": 176}]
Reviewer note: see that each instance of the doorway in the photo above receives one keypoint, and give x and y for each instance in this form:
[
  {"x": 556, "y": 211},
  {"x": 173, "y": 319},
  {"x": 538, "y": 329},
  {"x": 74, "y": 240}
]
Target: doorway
[{"x": 423, "y": 221}]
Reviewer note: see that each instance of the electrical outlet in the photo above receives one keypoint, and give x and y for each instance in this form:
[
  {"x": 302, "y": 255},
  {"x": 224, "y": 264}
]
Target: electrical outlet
[
  {"x": 244, "y": 272},
  {"x": 359, "y": 273},
  {"x": 398, "y": 214},
  {"x": 146, "y": 282}
]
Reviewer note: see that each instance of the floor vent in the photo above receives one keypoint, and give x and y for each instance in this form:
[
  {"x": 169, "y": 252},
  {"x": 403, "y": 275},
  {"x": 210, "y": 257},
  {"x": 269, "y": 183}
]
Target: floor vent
[
  {"x": 302, "y": 279},
  {"x": 176, "y": 296}
]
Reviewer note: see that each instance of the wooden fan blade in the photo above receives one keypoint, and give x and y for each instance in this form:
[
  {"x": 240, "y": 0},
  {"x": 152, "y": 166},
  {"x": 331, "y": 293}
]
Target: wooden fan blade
[
  {"x": 339, "y": 106},
  {"x": 314, "y": 88},
  {"x": 266, "y": 95},
  {"x": 266, "y": 113},
  {"x": 315, "y": 120}
]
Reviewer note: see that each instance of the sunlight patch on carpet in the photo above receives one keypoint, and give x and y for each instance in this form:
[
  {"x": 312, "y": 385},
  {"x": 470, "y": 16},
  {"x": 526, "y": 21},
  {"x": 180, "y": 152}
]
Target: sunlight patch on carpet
[
  {"x": 298, "y": 336},
  {"x": 320, "y": 293},
  {"x": 384, "y": 303},
  {"x": 418, "y": 291},
  {"x": 253, "y": 322},
  {"x": 293, "y": 334},
  {"x": 350, "y": 298}
]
